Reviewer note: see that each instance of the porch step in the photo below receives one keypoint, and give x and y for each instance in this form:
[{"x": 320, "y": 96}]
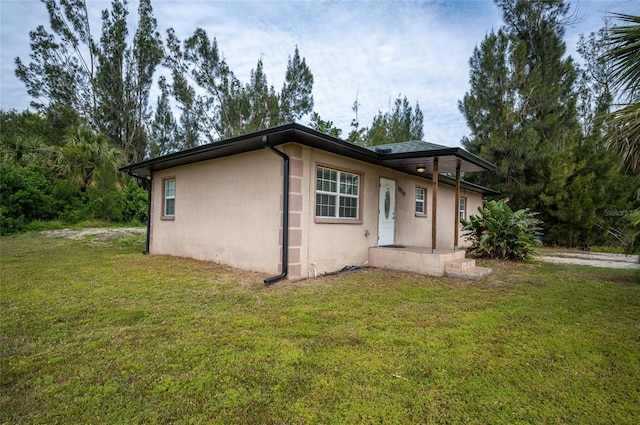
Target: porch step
[
  {"x": 459, "y": 265},
  {"x": 465, "y": 268}
]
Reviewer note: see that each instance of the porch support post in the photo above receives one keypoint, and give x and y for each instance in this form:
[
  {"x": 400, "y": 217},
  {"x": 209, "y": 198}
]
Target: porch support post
[
  {"x": 456, "y": 208},
  {"x": 434, "y": 206}
]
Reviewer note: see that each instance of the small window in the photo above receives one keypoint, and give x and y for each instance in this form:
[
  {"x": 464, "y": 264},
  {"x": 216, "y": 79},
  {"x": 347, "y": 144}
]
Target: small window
[
  {"x": 337, "y": 194},
  {"x": 169, "y": 198},
  {"x": 421, "y": 195},
  {"x": 463, "y": 208}
]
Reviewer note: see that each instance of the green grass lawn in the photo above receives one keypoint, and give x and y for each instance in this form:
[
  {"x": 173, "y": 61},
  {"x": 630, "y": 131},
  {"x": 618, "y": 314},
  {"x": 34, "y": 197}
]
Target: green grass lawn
[{"x": 92, "y": 331}]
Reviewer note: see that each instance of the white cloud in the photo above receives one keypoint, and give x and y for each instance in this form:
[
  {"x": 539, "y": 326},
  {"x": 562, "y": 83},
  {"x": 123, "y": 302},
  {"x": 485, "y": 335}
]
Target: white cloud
[{"x": 376, "y": 50}]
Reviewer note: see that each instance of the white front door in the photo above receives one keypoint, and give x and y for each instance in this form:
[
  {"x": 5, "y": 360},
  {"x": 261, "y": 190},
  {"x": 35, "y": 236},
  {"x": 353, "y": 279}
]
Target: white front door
[{"x": 387, "y": 212}]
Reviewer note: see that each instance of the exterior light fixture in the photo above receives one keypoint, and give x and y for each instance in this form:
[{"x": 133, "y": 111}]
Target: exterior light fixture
[{"x": 421, "y": 169}]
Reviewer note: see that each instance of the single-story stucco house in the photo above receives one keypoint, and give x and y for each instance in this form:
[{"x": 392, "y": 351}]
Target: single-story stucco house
[{"x": 296, "y": 203}]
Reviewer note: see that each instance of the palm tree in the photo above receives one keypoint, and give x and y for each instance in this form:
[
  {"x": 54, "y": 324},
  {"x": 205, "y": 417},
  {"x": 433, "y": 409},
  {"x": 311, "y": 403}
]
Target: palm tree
[
  {"x": 89, "y": 158},
  {"x": 623, "y": 54},
  {"x": 23, "y": 150}
]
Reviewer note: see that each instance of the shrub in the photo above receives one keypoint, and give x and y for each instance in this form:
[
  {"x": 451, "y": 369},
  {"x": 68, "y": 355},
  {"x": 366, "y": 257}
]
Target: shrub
[
  {"x": 71, "y": 203},
  {"x": 104, "y": 205},
  {"x": 133, "y": 203},
  {"x": 33, "y": 194},
  {"x": 634, "y": 243},
  {"x": 25, "y": 195},
  {"x": 499, "y": 232}
]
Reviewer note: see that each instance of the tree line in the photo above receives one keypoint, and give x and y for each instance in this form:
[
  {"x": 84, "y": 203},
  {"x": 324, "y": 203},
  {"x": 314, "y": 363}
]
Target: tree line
[
  {"x": 93, "y": 112},
  {"x": 549, "y": 124},
  {"x": 107, "y": 81}
]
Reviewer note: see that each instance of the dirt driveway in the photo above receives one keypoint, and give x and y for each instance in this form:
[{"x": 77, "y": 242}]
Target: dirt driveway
[{"x": 595, "y": 259}]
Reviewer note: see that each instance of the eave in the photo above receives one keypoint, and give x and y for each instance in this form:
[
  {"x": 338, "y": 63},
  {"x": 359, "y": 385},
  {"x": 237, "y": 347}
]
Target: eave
[{"x": 407, "y": 162}]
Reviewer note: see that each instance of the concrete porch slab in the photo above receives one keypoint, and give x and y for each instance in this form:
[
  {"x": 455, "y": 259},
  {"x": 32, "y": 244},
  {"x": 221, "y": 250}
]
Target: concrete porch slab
[
  {"x": 420, "y": 259},
  {"x": 417, "y": 259}
]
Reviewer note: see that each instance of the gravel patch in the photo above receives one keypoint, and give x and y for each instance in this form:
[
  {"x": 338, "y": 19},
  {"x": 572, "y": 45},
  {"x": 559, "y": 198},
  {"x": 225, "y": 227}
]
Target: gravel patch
[
  {"x": 100, "y": 232},
  {"x": 595, "y": 259}
]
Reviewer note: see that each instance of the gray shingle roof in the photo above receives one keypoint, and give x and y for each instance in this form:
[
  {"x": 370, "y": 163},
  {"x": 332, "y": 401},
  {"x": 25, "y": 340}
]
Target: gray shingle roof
[{"x": 404, "y": 147}]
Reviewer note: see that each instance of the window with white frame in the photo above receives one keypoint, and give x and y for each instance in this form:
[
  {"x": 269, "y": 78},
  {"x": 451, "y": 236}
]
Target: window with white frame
[
  {"x": 169, "y": 207},
  {"x": 462, "y": 209},
  {"x": 337, "y": 193},
  {"x": 421, "y": 196}
]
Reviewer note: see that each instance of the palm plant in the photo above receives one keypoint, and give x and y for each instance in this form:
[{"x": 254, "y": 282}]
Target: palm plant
[
  {"x": 624, "y": 57},
  {"x": 89, "y": 158},
  {"x": 22, "y": 150},
  {"x": 499, "y": 232}
]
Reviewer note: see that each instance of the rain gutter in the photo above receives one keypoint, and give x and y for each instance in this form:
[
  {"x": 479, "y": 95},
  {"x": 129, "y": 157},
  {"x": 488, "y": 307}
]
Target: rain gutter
[
  {"x": 285, "y": 213},
  {"x": 146, "y": 182}
]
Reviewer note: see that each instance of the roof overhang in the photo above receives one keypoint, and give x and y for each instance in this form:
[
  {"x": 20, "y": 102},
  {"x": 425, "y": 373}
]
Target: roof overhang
[{"x": 408, "y": 162}]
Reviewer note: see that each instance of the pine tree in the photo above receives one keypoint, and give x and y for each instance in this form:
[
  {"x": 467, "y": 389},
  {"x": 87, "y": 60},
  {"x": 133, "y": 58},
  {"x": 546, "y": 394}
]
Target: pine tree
[
  {"x": 327, "y": 127},
  {"x": 145, "y": 55},
  {"x": 296, "y": 98},
  {"x": 191, "y": 116},
  {"x": 163, "y": 127},
  {"x": 521, "y": 110},
  {"x": 106, "y": 82},
  {"x": 224, "y": 107},
  {"x": 111, "y": 58},
  {"x": 260, "y": 104},
  {"x": 356, "y": 135},
  {"x": 401, "y": 124},
  {"x": 63, "y": 61}
]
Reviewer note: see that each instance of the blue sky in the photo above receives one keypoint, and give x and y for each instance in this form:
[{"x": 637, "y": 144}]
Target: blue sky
[{"x": 374, "y": 49}]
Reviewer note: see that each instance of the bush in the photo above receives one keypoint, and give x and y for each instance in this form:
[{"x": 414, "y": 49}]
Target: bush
[
  {"x": 104, "y": 205},
  {"x": 25, "y": 195},
  {"x": 133, "y": 203},
  {"x": 33, "y": 194},
  {"x": 499, "y": 232},
  {"x": 71, "y": 203},
  {"x": 634, "y": 243}
]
